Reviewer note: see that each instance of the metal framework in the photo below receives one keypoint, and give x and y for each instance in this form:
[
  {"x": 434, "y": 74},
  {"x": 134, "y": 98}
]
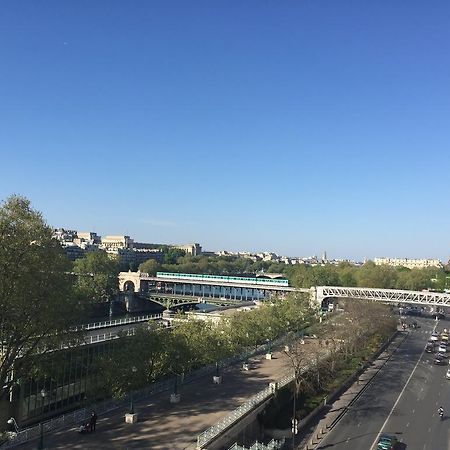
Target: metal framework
[{"x": 384, "y": 295}]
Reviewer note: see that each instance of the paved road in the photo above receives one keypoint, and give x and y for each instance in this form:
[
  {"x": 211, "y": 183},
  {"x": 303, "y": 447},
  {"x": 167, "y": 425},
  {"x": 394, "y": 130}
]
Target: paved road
[{"x": 402, "y": 399}]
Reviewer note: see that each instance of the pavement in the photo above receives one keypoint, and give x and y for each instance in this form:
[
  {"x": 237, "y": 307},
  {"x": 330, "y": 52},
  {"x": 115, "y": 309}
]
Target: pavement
[{"x": 162, "y": 425}]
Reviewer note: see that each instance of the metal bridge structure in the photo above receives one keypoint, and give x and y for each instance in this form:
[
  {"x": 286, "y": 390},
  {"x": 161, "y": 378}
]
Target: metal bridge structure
[
  {"x": 383, "y": 295},
  {"x": 177, "y": 289}
]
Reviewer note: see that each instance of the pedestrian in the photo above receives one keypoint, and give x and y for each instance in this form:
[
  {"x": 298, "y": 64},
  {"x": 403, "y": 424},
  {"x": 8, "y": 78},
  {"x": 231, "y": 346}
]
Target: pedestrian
[{"x": 93, "y": 421}]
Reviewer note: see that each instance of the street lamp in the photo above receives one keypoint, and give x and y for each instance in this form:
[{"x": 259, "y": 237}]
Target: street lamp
[
  {"x": 175, "y": 386},
  {"x": 133, "y": 370},
  {"x": 12, "y": 421},
  {"x": 41, "y": 424}
]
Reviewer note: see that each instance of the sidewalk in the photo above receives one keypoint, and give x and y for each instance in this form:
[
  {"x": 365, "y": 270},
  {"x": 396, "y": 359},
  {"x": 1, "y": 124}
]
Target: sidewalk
[
  {"x": 167, "y": 426},
  {"x": 313, "y": 435}
]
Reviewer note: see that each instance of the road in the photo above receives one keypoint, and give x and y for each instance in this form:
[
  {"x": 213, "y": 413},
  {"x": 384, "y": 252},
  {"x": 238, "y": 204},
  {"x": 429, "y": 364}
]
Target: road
[{"x": 402, "y": 399}]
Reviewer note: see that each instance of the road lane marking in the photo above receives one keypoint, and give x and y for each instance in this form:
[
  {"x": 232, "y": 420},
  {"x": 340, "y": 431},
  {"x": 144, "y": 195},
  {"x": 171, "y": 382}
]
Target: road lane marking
[{"x": 396, "y": 402}]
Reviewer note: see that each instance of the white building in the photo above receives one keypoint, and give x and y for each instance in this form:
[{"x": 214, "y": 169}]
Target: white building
[
  {"x": 408, "y": 263},
  {"x": 113, "y": 243}
]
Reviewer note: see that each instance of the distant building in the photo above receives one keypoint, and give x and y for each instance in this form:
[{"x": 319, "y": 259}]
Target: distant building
[
  {"x": 64, "y": 236},
  {"x": 190, "y": 249},
  {"x": 74, "y": 245},
  {"x": 112, "y": 243},
  {"x": 408, "y": 263},
  {"x": 90, "y": 237}
]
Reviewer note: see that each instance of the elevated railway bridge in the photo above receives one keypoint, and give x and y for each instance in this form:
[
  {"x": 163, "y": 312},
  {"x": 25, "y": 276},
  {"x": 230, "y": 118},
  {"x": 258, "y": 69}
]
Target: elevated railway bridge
[{"x": 174, "y": 288}]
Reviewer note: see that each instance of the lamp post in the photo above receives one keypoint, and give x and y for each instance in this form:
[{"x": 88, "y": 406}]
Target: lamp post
[
  {"x": 12, "y": 421},
  {"x": 175, "y": 396},
  {"x": 294, "y": 418},
  {"x": 41, "y": 424},
  {"x": 133, "y": 371}
]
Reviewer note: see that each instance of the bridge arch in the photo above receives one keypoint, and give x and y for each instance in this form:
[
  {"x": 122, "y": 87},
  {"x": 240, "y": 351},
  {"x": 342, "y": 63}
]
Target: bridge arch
[{"x": 128, "y": 286}]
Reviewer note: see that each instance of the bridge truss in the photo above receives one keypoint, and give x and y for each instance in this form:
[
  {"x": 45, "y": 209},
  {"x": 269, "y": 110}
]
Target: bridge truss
[{"x": 384, "y": 295}]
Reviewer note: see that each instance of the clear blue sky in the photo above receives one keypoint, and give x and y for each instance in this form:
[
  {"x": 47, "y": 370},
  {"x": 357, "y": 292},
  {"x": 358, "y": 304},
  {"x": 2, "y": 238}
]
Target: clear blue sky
[{"x": 295, "y": 126}]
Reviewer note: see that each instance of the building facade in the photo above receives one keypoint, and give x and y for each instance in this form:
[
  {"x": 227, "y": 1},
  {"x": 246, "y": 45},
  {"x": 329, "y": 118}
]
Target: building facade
[{"x": 408, "y": 263}]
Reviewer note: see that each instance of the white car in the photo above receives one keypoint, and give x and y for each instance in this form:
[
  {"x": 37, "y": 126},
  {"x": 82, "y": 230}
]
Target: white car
[
  {"x": 447, "y": 375},
  {"x": 434, "y": 337},
  {"x": 442, "y": 349}
]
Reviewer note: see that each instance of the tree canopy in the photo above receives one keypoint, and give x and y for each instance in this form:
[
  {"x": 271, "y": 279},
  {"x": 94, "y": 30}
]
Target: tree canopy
[
  {"x": 96, "y": 276},
  {"x": 36, "y": 288}
]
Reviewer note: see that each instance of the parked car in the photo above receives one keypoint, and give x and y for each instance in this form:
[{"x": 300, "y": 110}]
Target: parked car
[
  {"x": 429, "y": 347},
  {"x": 434, "y": 337},
  {"x": 447, "y": 375},
  {"x": 387, "y": 442},
  {"x": 439, "y": 361},
  {"x": 442, "y": 349}
]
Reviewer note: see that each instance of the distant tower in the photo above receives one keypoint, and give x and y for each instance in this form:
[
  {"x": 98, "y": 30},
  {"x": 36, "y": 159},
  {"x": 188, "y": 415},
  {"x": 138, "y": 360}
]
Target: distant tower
[{"x": 324, "y": 256}]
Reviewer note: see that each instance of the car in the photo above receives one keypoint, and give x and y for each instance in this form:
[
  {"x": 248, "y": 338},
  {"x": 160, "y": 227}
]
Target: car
[
  {"x": 447, "y": 375},
  {"x": 429, "y": 347},
  {"x": 438, "y": 361},
  {"x": 434, "y": 337},
  {"x": 441, "y": 355},
  {"x": 387, "y": 442},
  {"x": 442, "y": 349},
  {"x": 444, "y": 337}
]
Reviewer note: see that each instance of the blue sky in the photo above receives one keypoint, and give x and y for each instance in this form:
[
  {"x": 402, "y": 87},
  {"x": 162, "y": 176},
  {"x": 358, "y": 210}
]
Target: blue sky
[{"x": 295, "y": 126}]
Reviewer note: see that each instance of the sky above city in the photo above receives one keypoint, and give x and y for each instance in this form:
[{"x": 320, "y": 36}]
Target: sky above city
[{"x": 296, "y": 127}]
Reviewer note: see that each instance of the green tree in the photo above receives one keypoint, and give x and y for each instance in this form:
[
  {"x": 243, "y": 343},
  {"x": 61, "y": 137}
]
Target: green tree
[
  {"x": 96, "y": 277},
  {"x": 172, "y": 254},
  {"x": 150, "y": 266},
  {"x": 37, "y": 301},
  {"x": 373, "y": 276}
]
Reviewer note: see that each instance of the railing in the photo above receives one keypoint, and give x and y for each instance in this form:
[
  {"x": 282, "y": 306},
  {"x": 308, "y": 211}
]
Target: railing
[
  {"x": 117, "y": 322},
  {"x": 272, "y": 445},
  {"x": 218, "y": 428}
]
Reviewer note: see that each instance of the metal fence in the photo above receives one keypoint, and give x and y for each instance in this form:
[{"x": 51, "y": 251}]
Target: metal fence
[
  {"x": 117, "y": 322},
  {"x": 226, "y": 422},
  {"x": 272, "y": 445}
]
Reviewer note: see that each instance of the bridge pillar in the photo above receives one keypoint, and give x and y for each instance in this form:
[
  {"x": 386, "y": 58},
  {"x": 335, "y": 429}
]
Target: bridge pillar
[{"x": 316, "y": 296}]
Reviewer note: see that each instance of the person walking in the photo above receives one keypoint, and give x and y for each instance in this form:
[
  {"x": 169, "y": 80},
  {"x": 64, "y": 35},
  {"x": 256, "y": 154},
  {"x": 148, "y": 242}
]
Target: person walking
[{"x": 93, "y": 421}]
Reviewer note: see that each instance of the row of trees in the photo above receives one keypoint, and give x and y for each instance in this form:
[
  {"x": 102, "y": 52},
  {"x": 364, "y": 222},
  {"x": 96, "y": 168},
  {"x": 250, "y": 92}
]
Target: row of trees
[
  {"x": 370, "y": 275},
  {"x": 155, "y": 353},
  {"x": 346, "y": 342}
]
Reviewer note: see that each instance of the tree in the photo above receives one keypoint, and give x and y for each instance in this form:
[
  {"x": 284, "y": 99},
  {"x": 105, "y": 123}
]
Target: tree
[
  {"x": 373, "y": 276},
  {"x": 150, "y": 266},
  {"x": 172, "y": 254},
  {"x": 96, "y": 277},
  {"x": 133, "y": 362},
  {"x": 36, "y": 289}
]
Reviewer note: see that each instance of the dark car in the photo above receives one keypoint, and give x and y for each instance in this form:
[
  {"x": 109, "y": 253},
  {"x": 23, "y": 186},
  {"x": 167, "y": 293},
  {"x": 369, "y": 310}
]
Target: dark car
[
  {"x": 387, "y": 442},
  {"x": 439, "y": 361}
]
